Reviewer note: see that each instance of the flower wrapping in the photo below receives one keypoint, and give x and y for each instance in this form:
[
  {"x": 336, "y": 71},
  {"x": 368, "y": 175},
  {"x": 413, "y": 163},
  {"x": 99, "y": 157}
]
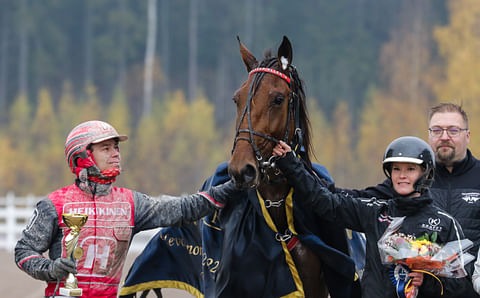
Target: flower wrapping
[{"x": 423, "y": 253}]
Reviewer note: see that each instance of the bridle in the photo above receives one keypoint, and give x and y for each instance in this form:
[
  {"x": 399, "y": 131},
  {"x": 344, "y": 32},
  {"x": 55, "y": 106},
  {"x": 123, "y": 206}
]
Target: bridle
[{"x": 293, "y": 110}]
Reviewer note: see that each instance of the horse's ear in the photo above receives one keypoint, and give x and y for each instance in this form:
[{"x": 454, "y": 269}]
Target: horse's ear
[
  {"x": 285, "y": 55},
  {"x": 247, "y": 57}
]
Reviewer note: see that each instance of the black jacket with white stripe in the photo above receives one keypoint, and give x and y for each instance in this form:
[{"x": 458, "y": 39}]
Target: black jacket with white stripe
[{"x": 372, "y": 217}]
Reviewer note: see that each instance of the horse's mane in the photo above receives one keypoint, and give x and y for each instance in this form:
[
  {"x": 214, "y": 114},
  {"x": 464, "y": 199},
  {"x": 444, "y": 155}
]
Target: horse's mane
[{"x": 297, "y": 85}]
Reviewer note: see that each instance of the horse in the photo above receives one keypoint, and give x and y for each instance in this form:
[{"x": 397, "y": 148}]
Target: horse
[
  {"x": 258, "y": 245},
  {"x": 271, "y": 106}
]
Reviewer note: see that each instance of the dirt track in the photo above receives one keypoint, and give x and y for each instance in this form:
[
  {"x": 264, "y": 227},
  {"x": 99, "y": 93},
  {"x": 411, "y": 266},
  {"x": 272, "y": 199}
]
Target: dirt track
[{"x": 15, "y": 283}]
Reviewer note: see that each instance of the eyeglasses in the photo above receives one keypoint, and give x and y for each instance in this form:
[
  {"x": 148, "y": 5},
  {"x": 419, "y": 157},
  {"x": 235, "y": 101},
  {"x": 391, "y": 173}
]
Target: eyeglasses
[{"x": 451, "y": 131}]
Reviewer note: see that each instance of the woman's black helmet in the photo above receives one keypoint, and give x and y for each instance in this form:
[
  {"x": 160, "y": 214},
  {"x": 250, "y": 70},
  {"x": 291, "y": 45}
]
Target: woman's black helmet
[{"x": 413, "y": 150}]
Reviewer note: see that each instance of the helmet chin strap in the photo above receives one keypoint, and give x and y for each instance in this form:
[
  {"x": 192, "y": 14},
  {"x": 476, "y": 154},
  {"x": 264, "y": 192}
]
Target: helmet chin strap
[{"x": 87, "y": 169}]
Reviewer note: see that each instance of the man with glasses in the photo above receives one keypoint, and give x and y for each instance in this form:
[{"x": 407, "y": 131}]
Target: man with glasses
[
  {"x": 449, "y": 136},
  {"x": 457, "y": 184},
  {"x": 456, "y": 188}
]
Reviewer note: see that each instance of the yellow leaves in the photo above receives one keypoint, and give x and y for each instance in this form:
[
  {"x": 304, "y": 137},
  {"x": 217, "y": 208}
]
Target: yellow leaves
[
  {"x": 384, "y": 119},
  {"x": 171, "y": 151},
  {"x": 176, "y": 148},
  {"x": 91, "y": 109},
  {"x": 144, "y": 165},
  {"x": 67, "y": 110},
  {"x": 321, "y": 134},
  {"x": 117, "y": 113},
  {"x": 45, "y": 123},
  {"x": 459, "y": 46},
  {"x": 47, "y": 147},
  {"x": 343, "y": 164},
  {"x": 20, "y": 118},
  {"x": 188, "y": 141},
  {"x": 7, "y": 160}
]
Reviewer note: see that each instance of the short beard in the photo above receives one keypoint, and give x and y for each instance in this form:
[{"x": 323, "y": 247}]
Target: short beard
[{"x": 446, "y": 158}]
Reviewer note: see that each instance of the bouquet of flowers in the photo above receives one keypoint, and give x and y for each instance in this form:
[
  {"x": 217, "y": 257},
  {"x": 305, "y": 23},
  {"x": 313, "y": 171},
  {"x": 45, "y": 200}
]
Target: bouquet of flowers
[
  {"x": 406, "y": 253},
  {"x": 423, "y": 253}
]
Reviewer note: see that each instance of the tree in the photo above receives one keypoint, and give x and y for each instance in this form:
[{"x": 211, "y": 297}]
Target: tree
[
  {"x": 149, "y": 56},
  {"x": 20, "y": 117},
  {"x": 91, "y": 109},
  {"x": 24, "y": 47},
  {"x": 48, "y": 166},
  {"x": 186, "y": 143},
  {"x": 145, "y": 167},
  {"x": 384, "y": 119},
  {"x": 458, "y": 45},
  {"x": 20, "y": 145},
  {"x": 397, "y": 106},
  {"x": 202, "y": 135},
  {"x": 322, "y": 137},
  {"x": 67, "y": 119},
  {"x": 174, "y": 149},
  {"x": 122, "y": 50},
  {"x": 165, "y": 43},
  {"x": 192, "y": 49},
  {"x": 4, "y": 46},
  {"x": 343, "y": 159},
  {"x": 68, "y": 110},
  {"x": 119, "y": 117},
  {"x": 8, "y": 163},
  {"x": 88, "y": 48},
  {"x": 9, "y": 167},
  {"x": 406, "y": 57}
]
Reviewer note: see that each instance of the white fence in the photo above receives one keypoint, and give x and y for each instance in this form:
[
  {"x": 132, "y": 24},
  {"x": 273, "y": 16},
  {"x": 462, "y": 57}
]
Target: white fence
[{"x": 16, "y": 211}]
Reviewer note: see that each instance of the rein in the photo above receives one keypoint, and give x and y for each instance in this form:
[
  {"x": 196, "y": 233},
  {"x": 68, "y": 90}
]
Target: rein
[{"x": 292, "y": 104}]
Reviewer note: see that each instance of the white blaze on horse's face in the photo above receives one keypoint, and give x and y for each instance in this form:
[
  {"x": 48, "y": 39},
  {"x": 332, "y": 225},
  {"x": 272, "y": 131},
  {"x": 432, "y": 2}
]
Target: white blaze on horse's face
[{"x": 284, "y": 62}]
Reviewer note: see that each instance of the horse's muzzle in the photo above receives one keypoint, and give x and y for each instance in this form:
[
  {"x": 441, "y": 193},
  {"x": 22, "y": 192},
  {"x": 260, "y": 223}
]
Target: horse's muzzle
[{"x": 245, "y": 177}]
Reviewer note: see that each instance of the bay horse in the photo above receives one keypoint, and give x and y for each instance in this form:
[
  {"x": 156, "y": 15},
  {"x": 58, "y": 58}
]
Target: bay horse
[
  {"x": 260, "y": 244},
  {"x": 271, "y": 107}
]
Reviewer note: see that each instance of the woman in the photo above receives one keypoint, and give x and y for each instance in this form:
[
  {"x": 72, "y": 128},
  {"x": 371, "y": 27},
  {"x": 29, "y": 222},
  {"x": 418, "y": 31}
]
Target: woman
[{"x": 409, "y": 163}]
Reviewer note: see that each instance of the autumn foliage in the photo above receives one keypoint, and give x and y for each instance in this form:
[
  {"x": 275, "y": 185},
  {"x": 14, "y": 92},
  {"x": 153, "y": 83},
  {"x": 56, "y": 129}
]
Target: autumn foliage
[{"x": 179, "y": 144}]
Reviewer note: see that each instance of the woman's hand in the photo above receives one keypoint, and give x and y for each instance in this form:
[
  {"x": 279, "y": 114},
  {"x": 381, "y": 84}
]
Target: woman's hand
[
  {"x": 281, "y": 149},
  {"x": 417, "y": 278}
]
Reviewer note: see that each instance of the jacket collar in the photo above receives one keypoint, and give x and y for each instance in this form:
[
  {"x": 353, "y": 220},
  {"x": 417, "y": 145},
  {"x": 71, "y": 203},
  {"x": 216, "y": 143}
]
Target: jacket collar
[
  {"x": 94, "y": 188},
  {"x": 459, "y": 167},
  {"x": 409, "y": 206}
]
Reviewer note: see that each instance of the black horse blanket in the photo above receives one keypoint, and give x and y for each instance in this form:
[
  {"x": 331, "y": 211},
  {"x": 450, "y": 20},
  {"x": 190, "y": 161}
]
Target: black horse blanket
[{"x": 234, "y": 252}]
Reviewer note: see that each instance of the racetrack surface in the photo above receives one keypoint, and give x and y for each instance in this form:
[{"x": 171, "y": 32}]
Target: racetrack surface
[{"x": 16, "y": 283}]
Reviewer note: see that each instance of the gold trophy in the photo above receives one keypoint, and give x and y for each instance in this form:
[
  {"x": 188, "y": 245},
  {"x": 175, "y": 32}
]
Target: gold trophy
[{"x": 75, "y": 222}]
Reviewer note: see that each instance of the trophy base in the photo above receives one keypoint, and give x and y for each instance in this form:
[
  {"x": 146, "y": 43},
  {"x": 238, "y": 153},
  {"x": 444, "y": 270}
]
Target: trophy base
[{"x": 70, "y": 292}]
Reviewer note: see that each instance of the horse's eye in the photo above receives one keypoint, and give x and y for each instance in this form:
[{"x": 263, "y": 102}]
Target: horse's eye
[
  {"x": 278, "y": 100},
  {"x": 234, "y": 100}
]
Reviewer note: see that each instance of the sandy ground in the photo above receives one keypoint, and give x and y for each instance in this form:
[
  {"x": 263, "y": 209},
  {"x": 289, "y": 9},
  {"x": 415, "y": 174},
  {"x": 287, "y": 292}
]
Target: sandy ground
[{"x": 15, "y": 283}]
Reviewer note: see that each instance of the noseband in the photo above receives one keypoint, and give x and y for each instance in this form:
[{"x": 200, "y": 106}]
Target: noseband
[{"x": 292, "y": 103}]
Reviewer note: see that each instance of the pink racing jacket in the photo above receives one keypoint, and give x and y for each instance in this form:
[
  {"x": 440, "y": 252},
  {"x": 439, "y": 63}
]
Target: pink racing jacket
[{"x": 104, "y": 238}]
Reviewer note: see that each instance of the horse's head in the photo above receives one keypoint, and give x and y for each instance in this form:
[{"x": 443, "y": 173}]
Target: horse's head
[{"x": 270, "y": 107}]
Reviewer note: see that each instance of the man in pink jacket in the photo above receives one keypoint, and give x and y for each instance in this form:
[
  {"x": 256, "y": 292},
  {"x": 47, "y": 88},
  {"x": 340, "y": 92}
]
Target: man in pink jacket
[{"x": 114, "y": 215}]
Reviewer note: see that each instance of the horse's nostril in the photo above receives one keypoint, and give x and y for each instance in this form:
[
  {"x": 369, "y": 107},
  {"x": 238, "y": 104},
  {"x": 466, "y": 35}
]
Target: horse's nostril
[{"x": 249, "y": 174}]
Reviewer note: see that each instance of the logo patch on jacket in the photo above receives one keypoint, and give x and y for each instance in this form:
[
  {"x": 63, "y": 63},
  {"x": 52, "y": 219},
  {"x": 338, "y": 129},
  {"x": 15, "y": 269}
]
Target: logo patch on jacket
[
  {"x": 433, "y": 225},
  {"x": 470, "y": 197}
]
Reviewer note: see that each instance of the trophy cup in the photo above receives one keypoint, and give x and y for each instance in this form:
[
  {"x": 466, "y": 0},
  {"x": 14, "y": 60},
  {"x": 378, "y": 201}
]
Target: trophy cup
[{"x": 75, "y": 222}]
